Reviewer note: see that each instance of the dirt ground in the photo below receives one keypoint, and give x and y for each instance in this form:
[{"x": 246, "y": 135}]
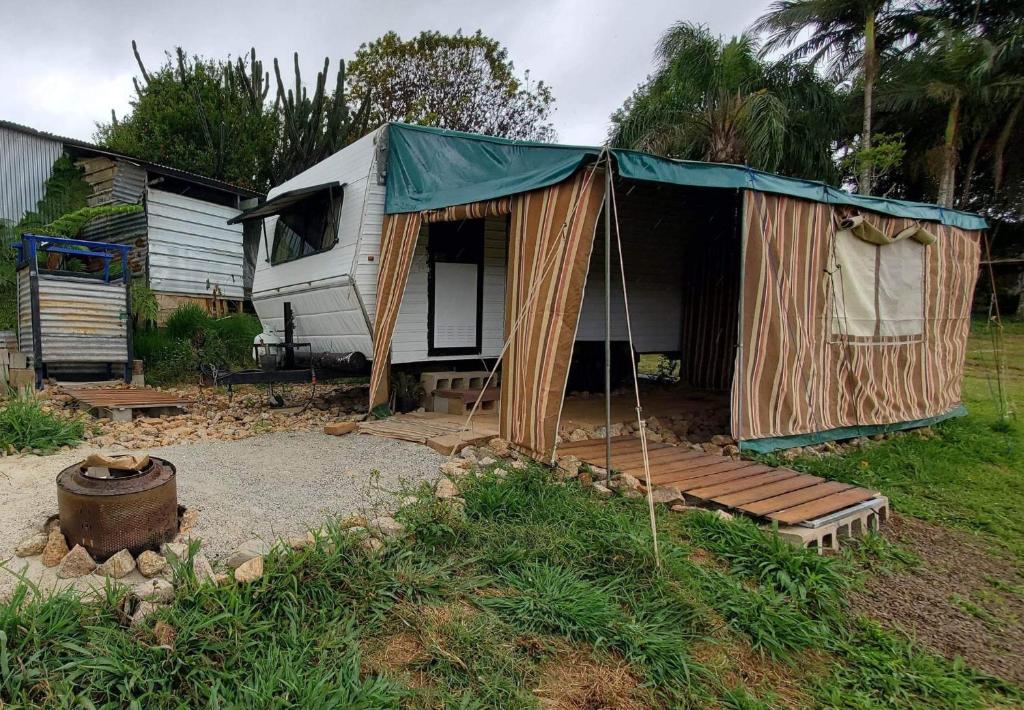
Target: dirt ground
[{"x": 964, "y": 599}]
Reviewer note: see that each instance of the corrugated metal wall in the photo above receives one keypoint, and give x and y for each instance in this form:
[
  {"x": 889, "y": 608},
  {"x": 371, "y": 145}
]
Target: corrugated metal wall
[
  {"x": 25, "y": 164},
  {"x": 81, "y": 319},
  {"x": 192, "y": 248}
]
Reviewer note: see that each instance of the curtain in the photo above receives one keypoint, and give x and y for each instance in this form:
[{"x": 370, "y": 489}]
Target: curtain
[
  {"x": 398, "y": 241},
  {"x": 551, "y": 236}
]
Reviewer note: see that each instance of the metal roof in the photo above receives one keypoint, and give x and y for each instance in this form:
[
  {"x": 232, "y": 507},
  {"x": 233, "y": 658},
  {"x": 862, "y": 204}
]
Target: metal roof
[{"x": 157, "y": 168}]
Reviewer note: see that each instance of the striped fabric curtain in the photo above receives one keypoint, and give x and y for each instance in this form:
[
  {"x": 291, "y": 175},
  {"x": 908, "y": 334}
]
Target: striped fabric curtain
[
  {"x": 795, "y": 375},
  {"x": 551, "y": 237},
  {"x": 473, "y": 210},
  {"x": 398, "y": 242}
]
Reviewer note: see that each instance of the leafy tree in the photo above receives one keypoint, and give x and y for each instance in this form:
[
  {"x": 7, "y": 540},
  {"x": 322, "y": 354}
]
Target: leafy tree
[
  {"x": 715, "y": 100},
  {"x": 461, "y": 82},
  {"x": 207, "y": 116},
  {"x": 847, "y": 35}
]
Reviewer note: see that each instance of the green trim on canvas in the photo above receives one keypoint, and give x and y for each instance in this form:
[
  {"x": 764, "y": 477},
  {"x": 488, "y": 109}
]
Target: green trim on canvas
[
  {"x": 432, "y": 168},
  {"x": 764, "y": 446}
]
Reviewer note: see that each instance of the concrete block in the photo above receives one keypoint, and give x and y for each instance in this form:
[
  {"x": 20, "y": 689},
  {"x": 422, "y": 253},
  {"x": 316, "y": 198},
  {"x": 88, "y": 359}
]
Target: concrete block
[
  {"x": 820, "y": 538},
  {"x": 339, "y": 428},
  {"x": 21, "y": 377}
]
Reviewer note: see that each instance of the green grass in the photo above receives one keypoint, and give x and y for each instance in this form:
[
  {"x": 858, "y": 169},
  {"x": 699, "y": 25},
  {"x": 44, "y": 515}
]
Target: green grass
[
  {"x": 26, "y": 426},
  {"x": 532, "y": 575},
  {"x": 969, "y": 475}
]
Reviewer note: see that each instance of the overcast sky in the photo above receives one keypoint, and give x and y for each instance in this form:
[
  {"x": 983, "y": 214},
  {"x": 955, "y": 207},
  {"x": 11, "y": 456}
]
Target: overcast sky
[{"x": 64, "y": 64}]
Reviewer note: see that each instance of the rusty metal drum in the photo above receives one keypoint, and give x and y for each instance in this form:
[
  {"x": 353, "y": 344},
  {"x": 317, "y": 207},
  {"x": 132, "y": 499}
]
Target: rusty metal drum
[{"x": 108, "y": 511}]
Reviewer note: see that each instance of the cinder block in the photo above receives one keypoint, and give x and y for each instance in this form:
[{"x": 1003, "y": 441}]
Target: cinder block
[{"x": 820, "y": 538}]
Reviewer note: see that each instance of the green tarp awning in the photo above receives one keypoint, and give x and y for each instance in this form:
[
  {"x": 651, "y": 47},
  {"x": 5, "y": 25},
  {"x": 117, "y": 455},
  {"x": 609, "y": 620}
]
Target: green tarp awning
[{"x": 431, "y": 168}]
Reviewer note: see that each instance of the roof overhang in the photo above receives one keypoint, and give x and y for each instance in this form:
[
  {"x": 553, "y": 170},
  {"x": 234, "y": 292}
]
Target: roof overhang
[{"x": 281, "y": 202}]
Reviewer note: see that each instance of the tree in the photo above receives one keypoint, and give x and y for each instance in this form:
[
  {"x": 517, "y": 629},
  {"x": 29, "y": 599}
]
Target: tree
[
  {"x": 845, "y": 34},
  {"x": 207, "y": 116},
  {"x": 313, "y": 128},
  {"x": 715, "y": 100},
  {"x": 460, "y": 82}
]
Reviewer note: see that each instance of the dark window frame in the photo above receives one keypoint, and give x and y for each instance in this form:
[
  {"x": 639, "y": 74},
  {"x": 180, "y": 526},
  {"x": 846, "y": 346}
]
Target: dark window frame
[
  {"x": 336, "y": 202},
  {"x": 432, "y": 258}
]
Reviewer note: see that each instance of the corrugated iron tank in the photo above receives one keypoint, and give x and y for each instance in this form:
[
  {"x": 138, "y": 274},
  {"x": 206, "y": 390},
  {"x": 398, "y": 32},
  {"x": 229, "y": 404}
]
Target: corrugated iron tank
[
  {"x": 81, "y": 319},
  {"x": 106, "y": 511}
]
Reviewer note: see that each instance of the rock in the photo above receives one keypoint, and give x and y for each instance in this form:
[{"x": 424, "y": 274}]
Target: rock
[
  {"x": 445, "y": 489},
  {"x": 722, "y": 440},
  {"x": 499, "y": 446},
  {"x": 32, "y": 545},
  {"x": 158, "y": 591},
  {"x": 518, "y": 465},
  {"x": 500, "y": 473},
  {"x": 221, "y": 578},
  {"x": 409, "y": 500},
  {"x": 681, "y": 508},
  {"x": 371, "y": 544},
  {"x": 203, "y": 570},
  {"x": 340, "y": 428},
  {"x": 585, "y": 478},
  {"x": 118, "y": 565},
  {"x": 250, "y": 570},
  {"x": 654, "y": 425},
  {"x": 667, "y": 495},
  {"x": 76, "y": 563},
  {"x": 174, "y": 550},
  {"x": 352, "y": 521},
  {"x": 301, "y": 542},
  {"x": 52, "y": 523},
  {"x": 456, "y": 468},
  {"x": 724, "y": 515},
  {"x": 188, "y": 519},
  {"x": 487, "y": 461},
  {"x": 601, "y": 490},
  {"x": 468, "y": 453},
  {"x": 151, "y": 564},
  {"x": 710, "y": 448},
  {"x": 578, "y": 435},
  {"x": 387, "y": 526},
  {"x": 731, "y": 450},
  {"x": 568, "y": 467},
  {"x": 630, "y": 493},
  {"x": 56, "y": 548},
  {"x": 143, "y": 610},
  {"x": 654, "y": 437},
  {"x": 248, "y": 550},
  {"x": 164, "y": 634},
  {"x": 625, "y": 481}
]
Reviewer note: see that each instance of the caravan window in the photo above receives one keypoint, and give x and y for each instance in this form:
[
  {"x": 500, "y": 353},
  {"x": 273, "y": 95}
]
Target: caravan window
[
  {"x": 877, "y": 291},
  {"x": 309, "y": 226}
]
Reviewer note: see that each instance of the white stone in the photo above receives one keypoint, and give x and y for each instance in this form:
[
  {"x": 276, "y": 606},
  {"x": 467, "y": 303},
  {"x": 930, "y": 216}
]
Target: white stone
[
  {"x": 155, "y": 590},
  {"x": 151, "y": 564},
  {"x": 371, "y": 544},
  {"x": 500, "y": 473},
  {"x": 174, "y": 550},
  {"x": 667, "y": 494},
  {"x": 518, "y": 465},
  {"x": 203, "y": 570},
  {"x": 601, "y": 490},
  {"x": 32, "y": 545},
  {"x": 724, "y": 515},
  {"x": 248, "y": 550},
  {"x": 499, "y": 446},
  {"x": 445, "y": 489},
  {"x": 469, "y": 454},
  {"x": 250, "y": 570},
  {"x": 76, "y": 563},
  {"x": 487, "y": 461},
  {"x": 117, "y": 565},
  {"x": 143, "y": 610},
  {"x": 625, "y": 481},
  {"x": 387, "y": 526}
]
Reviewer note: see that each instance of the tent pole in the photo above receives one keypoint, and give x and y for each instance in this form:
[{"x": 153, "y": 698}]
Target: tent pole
[{"x": 608, "y": 316}]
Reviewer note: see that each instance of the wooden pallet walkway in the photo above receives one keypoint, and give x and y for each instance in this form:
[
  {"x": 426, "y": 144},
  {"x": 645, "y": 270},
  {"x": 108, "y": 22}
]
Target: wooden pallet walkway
[
  {"x": 778, "y": 494},
  {"x": 120, "y": 403},
  {"x": 441, "y": 432}
]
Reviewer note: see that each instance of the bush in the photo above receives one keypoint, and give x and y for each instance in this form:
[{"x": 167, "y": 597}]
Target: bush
[
  {"x": 25, "y": 425},
  {"x": 167, "y": 359},
  {"x": 187, "y": 320},
  {"x": 237, "y": 332}
]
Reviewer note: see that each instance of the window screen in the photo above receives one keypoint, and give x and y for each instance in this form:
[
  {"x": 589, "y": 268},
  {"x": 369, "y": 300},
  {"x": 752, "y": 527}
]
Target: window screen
[
  {"x": 307, "y": 227},
  {"x": 878, "y": 291}
]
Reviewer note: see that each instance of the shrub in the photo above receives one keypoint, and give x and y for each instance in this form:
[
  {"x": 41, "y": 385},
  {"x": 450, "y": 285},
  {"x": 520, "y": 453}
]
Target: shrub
[
  {"x": 237, "y": 332},
  {"x": 187, "y": 320},
  {"x": 25, "y": 425}
]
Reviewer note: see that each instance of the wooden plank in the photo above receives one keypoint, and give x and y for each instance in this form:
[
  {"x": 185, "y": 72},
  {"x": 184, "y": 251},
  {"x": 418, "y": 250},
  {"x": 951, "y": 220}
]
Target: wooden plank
[
  {"x": 682, "y": 462},
  {"x": 714, "y": 478},
  {"x": 572, "y": 445},
  {"x": 654, "y": 452},
  {"x": 822, "y": 506},
  {"x": 769, "y": 491},
  {"x": 746, "y": 483},
  {"x": 788, "y": 500},
  {"x": 595, "y": 451},
  {"x": 702, "y": 470}
]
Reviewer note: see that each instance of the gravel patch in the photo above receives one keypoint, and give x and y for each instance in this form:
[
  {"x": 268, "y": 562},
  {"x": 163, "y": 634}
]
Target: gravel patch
[{"x": 266, "y": 486}]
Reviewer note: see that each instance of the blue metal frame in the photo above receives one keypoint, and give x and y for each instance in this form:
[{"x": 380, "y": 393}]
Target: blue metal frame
[{"x": 32, "y": 244}]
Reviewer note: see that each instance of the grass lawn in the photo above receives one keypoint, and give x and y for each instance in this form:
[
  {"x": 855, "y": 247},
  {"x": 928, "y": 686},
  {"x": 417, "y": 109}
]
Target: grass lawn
[{"x": 540, "y": 593}]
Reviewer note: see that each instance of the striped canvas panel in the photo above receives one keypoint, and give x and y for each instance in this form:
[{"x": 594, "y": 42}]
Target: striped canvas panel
[
  {"x": 793, "y": 376},
  {"x": 551, "y": 236},
  {"x": 474, "y": 210},
  {"x": 398, "y": 241}
]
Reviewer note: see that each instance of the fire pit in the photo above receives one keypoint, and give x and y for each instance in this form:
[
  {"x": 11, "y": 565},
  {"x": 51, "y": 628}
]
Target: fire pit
[{"x": 106, "y": 510}]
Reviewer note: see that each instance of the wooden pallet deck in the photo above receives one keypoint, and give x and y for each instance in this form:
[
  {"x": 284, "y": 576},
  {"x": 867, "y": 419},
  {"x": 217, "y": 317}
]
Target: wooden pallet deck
[
  {"x": 441, "y": 432},
  {"x": 119, "y": 403},
  {"x": 778, "y": 494}
]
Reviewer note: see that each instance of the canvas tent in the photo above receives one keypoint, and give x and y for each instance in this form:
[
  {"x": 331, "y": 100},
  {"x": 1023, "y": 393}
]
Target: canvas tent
[{"x": 832, "y": 335}]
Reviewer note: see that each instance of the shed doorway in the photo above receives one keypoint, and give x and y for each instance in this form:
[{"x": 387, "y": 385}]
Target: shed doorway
[
  {"x": 681, "y": 253},
  {"x": 455, "y": 287}
]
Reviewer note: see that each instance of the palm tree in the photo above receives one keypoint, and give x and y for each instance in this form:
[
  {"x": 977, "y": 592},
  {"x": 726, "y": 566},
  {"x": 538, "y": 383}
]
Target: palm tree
[
  {"x": 717, "y": 101},
  {"x": 844, "y": 34}
]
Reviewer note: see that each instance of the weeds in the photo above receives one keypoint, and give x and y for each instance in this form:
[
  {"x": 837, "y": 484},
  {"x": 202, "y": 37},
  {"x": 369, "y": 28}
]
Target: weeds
[{"x": 26, "y": 426}]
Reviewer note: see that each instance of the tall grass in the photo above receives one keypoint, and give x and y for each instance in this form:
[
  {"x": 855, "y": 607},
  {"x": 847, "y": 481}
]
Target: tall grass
[{"x": 26, "y": 426}]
